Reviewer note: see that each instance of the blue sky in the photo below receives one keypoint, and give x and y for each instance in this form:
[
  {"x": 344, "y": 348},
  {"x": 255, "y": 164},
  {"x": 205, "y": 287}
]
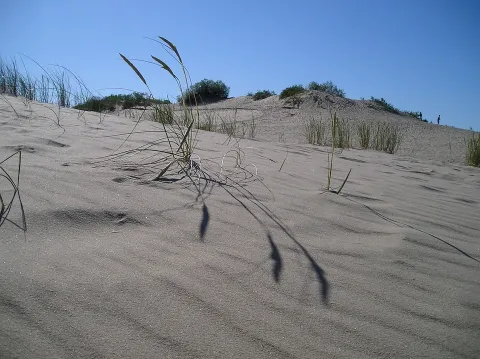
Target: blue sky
[{"x": 419, "y": 55}]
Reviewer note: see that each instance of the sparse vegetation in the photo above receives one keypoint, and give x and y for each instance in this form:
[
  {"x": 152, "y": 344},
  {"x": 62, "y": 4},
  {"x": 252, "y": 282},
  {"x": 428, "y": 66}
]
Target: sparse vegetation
[
  {"x": 205, "y": 91},
  {"x": 54, "y": 85},
  {"x": 473, "y": 151},
  {"x": 163, "y": 113},
  {"x": 209, "y": 122},
  {"x": 292, "y": 91},
  {"x": 384, "y": 105},
  {"x": 328, "y": 87},
  {"x": 416, "y": 115}
]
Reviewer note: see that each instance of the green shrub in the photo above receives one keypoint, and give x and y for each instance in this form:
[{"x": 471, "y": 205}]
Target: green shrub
[
  {"x": 260, "y": 95},
  {"x": 205, "y": 91},
  {"x": 294, "y": 101},
  {"x": 473, "y": 151},
  {"x": 109, "y": 103},
  {"x": 292, "y": 91},
  {"x": 328, "y": 87},
  {"x": 385, "y": 105}
]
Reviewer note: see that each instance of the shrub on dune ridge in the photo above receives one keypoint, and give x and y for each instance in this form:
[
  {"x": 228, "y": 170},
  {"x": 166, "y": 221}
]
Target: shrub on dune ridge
[
  {"x": 260, "y": 95},
  {"x": 328, "y": 87},
  {"x": 205, "y": 91},
  {"x": 110, "y": 103},
  {"x": 292, "y": 91},
  {"x": 384, "y": 105}
]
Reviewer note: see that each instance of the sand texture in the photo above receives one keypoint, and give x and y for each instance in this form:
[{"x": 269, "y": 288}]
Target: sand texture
[{"x": 266, "y": 265}]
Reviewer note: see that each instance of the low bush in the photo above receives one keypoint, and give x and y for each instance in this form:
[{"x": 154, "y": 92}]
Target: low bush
[
  {"x": 205, "y": 91},
  {"x": 260, "y": 95},
  {"x": 110, "y": 103},
  {"x": 328, "y": 87},
  {"x": 292, "y": 91},
  {"x": 385, "y": 105}
]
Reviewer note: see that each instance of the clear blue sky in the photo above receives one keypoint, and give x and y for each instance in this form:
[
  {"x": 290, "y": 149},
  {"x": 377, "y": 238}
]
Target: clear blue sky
[{"x": 419, "y": 55}]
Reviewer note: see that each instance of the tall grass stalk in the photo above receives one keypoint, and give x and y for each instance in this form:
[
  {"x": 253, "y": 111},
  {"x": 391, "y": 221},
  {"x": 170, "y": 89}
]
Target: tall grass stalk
[{"x": 334, "y": 132}]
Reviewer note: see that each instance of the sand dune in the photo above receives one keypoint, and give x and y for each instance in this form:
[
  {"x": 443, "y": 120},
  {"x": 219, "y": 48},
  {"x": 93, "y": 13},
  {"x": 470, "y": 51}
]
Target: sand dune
[{"x": 115, "y": 265}]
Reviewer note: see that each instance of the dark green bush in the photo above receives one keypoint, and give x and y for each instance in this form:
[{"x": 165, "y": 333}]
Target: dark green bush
[
  {"x": 260, "y": 95},
  {"x": 205, "y": 91},
  {"x": 110, "y": 103},
  {"x": 328, "y": 87},
  {"x": 291, "y": 91},
  {"x": 385, "y": 105}
]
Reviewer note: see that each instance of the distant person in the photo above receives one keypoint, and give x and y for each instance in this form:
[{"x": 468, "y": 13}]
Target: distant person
[
  {"x": 438, "y": 120},
  {"x": 421, "y": 116}
]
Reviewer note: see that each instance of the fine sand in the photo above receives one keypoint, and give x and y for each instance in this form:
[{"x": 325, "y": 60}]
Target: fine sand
[{"x": 266, "y": 265}]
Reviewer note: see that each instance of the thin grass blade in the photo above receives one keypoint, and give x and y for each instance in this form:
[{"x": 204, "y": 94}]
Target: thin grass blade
[{"x": 134, "y": 69}]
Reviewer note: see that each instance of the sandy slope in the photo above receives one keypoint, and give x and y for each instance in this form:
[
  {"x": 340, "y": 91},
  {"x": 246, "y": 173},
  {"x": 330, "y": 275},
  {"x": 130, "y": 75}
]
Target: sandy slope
[{"x": 115, "y": 265}]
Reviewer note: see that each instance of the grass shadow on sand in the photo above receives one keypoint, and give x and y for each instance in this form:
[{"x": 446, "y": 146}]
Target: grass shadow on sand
[{"x": 253, "y": 206}]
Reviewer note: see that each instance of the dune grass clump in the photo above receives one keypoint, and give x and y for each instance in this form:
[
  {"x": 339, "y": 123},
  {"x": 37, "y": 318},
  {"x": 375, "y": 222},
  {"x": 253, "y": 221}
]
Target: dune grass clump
[
  {"x": 163, "y": 113},
  {"x": 292, "y": 91},
  {"x": 328, "y": 87},
  {"x": 342, "y": 134},
  {"x": 209, "y": 121},
  {"x": 205, "y": 91},
  {"x": 364, "y": 132},
  {"x": 180, "y": 136},
  {"x": 386, "y": 137},
  {"x": 53, "y": 86},
  {"x": 315, "y": 131},
  {"x": 473, "y": 151}
]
